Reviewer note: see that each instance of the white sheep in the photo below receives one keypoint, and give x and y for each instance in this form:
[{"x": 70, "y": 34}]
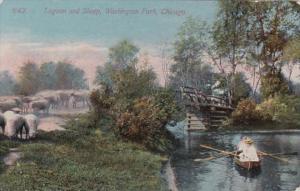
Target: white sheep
[
  {"x": 31, "y": 122},
  {"x": 41, "y": 104},
  {"x": 14, "y": 124},
  {"x": 6, "y": 105}
]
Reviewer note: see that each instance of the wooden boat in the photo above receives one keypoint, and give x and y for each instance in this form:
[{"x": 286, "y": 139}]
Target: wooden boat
[
  {"x": 247, "y": 164},
  {"x": 254, "y": 161}
]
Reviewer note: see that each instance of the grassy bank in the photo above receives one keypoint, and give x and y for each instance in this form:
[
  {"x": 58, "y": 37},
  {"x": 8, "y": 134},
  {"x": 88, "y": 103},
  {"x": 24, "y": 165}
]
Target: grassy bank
[{"x": 83, "y": 159}]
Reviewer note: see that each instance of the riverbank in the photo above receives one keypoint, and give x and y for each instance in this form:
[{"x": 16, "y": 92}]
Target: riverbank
[{"x": 81, "y": 158}]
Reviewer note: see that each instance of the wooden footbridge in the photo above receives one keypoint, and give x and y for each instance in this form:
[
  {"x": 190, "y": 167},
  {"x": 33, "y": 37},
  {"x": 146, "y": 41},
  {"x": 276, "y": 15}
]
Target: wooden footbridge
[{"x": 204, "y": 111}]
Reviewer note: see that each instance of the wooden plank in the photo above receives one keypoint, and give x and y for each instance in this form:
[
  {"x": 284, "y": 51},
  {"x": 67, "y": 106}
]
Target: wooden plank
[{"x": 196, "y": 129}]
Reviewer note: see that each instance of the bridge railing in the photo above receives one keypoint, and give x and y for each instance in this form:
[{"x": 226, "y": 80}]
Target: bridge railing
[{"x": 196, "y": 96}]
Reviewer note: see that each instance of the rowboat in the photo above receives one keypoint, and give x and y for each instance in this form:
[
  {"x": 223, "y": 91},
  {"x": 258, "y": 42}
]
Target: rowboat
[
  {"x": 247, "y": 164},
  {"x": 249, "y": 157},
  {"x": 246, "y": 155}
]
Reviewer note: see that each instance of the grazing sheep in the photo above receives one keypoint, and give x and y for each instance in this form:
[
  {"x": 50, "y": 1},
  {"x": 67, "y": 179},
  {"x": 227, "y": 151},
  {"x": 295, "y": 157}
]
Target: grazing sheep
[
  {"x": 2, "y": 122},
  {"x": 6, "y": 105},
  {"x": 53, "y": 101},
  {"x": 79, "y": 96},
  {"x": 26, "y": 102},
  {"x": 52, "y": 96},
  {"x": 73, "y": 101},
  {"x": 14, "y": 124},
  {"x": 31, "y": 122},
  {"x": 40, "y": 105},
  {"x": 25, "y": 106},
  {"x": 64, "y": 97}
]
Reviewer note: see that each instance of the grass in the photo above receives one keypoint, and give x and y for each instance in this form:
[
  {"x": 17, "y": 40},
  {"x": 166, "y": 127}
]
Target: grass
[{"x": 83, "y": 159}]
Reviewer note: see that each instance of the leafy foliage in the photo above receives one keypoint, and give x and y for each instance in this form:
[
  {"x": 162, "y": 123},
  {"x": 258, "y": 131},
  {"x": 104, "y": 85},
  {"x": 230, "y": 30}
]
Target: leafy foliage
[
  {"x": 133, "y": 98},
  {"x": 274, "y": 83},
  {"x": 69, "y": 76},
  {"x": 145, "y": 123},
  {"x": 29, "y": 79},
  {"x": 292, "y": 50},
  {"x": 48, "y": 76},
  {"x": 283, "y": 109},
  {"x": 246, "y": 113},
  {"x": 61, "y": 75},
  {"x": 241, "y": 89},
  {"x": 7, "y": 83},
  {"x": 188, "y": 68},
  {"x": 124, "y": 54}
]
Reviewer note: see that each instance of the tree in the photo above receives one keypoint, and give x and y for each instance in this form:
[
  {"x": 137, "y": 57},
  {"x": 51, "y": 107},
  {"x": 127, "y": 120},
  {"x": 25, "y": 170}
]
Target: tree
[
  {"x": 29, "y": 79},
  {"x": 78, "y": 79},
  {"x": 69, "y": 77},
  {"x": 291, "y": 54},
  {"x": 273, "y": 84},
  {"x": 7, "y": 83},
  {"x": 271, "y": 26},
  {"x": 242, "y": 89},
  {"x": 166, "y": 58},
  {"x": 48, "y": 75},
  {"x": 124, "y": 54},
  {"x": 188, "y": 54},
  {"x": 229, "y": 38}
]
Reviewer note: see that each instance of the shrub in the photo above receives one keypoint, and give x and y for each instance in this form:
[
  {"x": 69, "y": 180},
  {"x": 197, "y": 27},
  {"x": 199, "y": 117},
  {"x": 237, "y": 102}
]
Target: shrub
[
  {"x": 102, "y": 102},
  {"x": 246, "y": 113},
  {"x": 283, "y": 109},
  {"x": 274, "y": 84},
  {"x": 272, "y": 106},
  {"x": 145, "y": 123}
]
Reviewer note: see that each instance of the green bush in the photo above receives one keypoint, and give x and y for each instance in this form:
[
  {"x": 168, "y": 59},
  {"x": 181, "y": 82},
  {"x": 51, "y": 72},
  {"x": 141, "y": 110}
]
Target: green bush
[
  {"x": 247, "y": 113},
  {"x": 283, "y": 109},
  {"x": 145, "y": 123},
  {"x": 274, "y": 84},
  {"x": 101, "y": 101}
]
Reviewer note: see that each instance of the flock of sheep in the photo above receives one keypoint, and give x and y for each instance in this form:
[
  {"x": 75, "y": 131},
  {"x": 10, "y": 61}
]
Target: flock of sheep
[
  {"x": 19, "y": 113},
  {"x": 13, "y": 124}
]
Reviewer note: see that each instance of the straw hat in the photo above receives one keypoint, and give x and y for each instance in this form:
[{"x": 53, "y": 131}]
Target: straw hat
[{"x": 248, "y": 140}]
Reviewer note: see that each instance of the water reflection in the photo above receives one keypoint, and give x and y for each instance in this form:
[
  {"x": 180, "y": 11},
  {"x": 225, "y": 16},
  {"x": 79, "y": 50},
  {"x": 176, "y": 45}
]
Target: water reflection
[
  {"x": 223, "y": 174},
  {"x": 248, "y": 173}
]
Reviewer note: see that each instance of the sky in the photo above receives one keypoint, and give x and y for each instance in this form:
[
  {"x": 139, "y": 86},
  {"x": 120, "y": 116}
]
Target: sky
[{"x": 82, "y": 31}]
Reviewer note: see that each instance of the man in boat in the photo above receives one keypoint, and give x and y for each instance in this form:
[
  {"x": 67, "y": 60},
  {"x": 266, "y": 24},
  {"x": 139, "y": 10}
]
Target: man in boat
[{"x": 246, "y": 150}]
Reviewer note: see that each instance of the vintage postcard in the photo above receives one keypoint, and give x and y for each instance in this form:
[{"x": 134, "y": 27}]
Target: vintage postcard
[{"x": 149, "y": 95}]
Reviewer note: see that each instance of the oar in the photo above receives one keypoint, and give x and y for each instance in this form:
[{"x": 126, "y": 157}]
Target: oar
[
  {"x": 210, "y": 158},
  {"x": 218, "y": 150},
  {"x": 292, "y": 153},
  {"x": 275, "y": 157}
]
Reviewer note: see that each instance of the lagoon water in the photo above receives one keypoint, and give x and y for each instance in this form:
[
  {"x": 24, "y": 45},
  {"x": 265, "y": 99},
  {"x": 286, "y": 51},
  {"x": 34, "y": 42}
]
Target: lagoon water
[{"x": 222, "y": 174}]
